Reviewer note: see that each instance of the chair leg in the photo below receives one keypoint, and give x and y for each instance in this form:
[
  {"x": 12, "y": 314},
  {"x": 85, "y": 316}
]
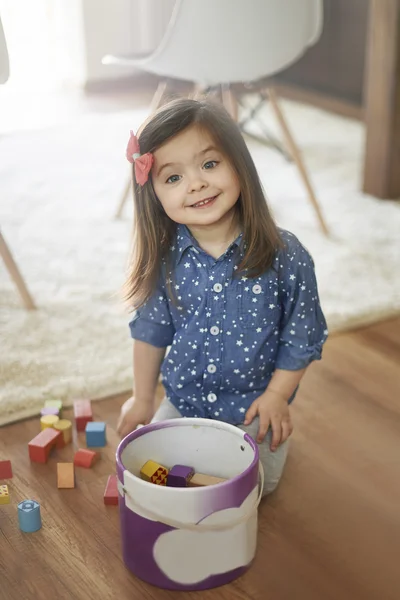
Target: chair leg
[
  {"x": 295, "y": 152},
  {"x": 124, "y": 196},
  {"x": 15, "y": 274},
  {"x": 158, "y": 96},
  {"x": 155, "y": 103},
  {"x": 230, "y": 102}
]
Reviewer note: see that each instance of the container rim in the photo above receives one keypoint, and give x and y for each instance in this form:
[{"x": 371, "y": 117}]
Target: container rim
[{"x": 188, "y": 421}]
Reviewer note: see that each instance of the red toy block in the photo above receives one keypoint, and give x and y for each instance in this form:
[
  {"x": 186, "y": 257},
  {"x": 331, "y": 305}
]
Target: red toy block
[
  {"x": 111, "y": 491},
  {"x": 83, "y": 413},
  {"x": 40, "y": 446},
  {"x": 5, "y": 469},
  {"x": 84, "y": 458}
]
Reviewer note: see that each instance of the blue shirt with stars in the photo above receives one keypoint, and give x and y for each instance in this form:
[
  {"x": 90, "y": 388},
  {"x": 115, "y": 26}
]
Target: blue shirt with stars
[{"x": 228, "y": 334}]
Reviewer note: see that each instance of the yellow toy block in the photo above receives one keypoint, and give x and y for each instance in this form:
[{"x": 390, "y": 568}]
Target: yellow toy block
[
  {"x": 65, "y": 475},
  {"x": 48, "y": 421},
  {"x": 201, "y": 480},
  {"x": 65, "y": 426},
  {"x": 154, "y": 473},
  {"x": 4, "y": 495}
]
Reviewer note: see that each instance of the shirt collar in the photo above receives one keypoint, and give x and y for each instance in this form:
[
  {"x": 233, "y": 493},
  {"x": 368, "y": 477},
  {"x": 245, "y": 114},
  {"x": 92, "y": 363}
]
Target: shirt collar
[{"x": 185, "y": 240}]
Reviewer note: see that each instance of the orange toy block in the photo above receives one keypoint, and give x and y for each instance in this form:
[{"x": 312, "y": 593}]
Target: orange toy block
[
  {"x": 48, "y": 421},
  {"x": 154, "y": 473},
  {"x": 84, "y": 458},
  {"x": 65, "y": 427},
  {"x": 200, "y": 480},
  {"x": 111, "y": 491},
  {"x": 5, "y": 469},
  {"x": 39, "y": 448},
  {"x": 65, "y": 475},
  {"x": 4, "y": 495},
  {"x": 82, "y": 413}
]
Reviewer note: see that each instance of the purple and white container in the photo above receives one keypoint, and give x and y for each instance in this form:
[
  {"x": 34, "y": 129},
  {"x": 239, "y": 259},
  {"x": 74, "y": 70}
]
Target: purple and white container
[{"x": 189, "y": 538}]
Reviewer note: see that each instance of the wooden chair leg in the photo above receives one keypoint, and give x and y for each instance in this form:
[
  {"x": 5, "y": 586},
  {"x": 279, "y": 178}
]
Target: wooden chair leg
[
  {"x": 158, "y": 96},
  {"x": 15, "y": 274},
  {"x": 230, "y": 102},
  {"x": 124, "y": 196},
  {"x": 155, "y": 103},
  {"x": 296, "y": 154}
]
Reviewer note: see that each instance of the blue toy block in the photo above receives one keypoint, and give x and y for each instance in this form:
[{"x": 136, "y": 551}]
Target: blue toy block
[
  {"x": 29, "y": 516},
  {"x": 95, "y": 434}
]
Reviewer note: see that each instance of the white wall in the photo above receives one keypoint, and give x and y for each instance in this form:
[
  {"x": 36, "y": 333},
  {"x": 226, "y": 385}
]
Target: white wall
[{"x": 89, "y": 29}]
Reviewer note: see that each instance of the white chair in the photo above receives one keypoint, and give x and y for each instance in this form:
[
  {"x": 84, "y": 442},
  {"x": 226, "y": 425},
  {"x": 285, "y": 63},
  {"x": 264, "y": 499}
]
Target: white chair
[
  {"x": 5, "y": 252},
  {"x": 217, "y": 43}
]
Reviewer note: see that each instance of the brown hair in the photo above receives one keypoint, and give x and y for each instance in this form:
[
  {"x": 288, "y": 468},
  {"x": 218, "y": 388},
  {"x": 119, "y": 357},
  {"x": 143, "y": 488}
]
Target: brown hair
[{"x": 154, "y": 231}]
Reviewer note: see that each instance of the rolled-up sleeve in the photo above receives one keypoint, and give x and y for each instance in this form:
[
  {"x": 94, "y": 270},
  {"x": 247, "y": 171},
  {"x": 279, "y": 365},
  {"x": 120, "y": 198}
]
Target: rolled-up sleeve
[
  {"x": 152, "y": 322},
  {"x": 303, "y": 326}
]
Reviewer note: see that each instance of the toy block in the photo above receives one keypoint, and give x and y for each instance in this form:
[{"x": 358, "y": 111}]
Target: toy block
[
  {"x": 50, "y": 410},
  {"x": 179, "y": 476},
  {"x": 5, "y": 469},
  {"x": 95, "y": 434},
  {"x": 111, "y": 491},
  {"x": 65, "y": 475},
  {"x": 82, "y": 413},
  {"x": 65, "y": 427},
  {"x": 4, "y": 495},
  {"x": 154, "y": 473},
  {"x": 84, "y": 458},
  {"x": 200, "y": 480},
  {"x": 48, "y": 421},
  {"x": 39, "y": 448},
  {"x": 29, "y": 516},
  {"x": 54, "y": 403}
]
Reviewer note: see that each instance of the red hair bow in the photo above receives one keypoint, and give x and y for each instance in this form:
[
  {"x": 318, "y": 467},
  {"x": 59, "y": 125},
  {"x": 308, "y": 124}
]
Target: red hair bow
[{"x": 143, "y": 163}]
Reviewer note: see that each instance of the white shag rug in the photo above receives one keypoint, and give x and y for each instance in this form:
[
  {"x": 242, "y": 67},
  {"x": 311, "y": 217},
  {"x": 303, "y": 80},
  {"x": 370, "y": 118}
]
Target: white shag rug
[{"x": 59, "y": 190}]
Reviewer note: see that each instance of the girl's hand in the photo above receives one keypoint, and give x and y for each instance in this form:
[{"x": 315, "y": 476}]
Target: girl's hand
[
  {"x": 135, "y": 412},
  {"x": 273, "y": 410}
]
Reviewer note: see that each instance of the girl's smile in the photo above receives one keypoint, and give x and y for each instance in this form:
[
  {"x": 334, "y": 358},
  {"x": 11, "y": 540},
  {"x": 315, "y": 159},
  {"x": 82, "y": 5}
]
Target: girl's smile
[{"x": 205, "y": 203}]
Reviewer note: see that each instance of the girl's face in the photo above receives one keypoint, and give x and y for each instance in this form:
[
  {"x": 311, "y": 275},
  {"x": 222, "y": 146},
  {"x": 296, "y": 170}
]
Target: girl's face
[{"x": 194, "y": 181}]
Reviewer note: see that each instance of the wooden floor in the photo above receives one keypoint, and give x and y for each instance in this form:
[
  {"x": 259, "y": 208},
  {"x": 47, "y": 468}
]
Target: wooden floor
[{"x": 330, "y": 531}]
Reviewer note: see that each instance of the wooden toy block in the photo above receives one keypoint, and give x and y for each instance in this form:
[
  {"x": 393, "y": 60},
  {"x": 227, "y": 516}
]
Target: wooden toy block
[
  {"x": 95, "y": 434},
  {"x": 50, "y": 410},
  {"x": 179, "y": 476},
  {"x": 154, "y": 473},
  {"x": 111, "y": 491},
  {"x": 54, "y": 403},
  {"x": 65, "y": 475},
  {"x": 39, "y": 448},
  {"x": 200, "y": 480},
  {"x": 5, "y": 469},
  {"x": 82, "y": 414},
  {"x": 48, "y": 421},
  {"x": 85, "y": 458},
  {"x": 29, "y": 516},
  {"x": 4, "y": 495},
  {"x": 65, "y": 427}
]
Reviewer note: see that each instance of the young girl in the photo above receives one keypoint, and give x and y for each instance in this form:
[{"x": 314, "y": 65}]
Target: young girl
[{"x": 213, "y": 278}]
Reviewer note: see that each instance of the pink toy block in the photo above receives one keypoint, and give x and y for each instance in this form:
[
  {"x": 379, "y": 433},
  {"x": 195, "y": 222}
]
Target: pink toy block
[
  {"x": 111, "y": 491},
  {"x": 83, "y": 413}
]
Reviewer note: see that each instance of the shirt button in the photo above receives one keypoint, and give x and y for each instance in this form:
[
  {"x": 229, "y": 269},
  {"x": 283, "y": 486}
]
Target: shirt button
[
  {"x": 257, "y": 289},
  {"x": 211, "y": 397},
  {"x": 214, "y": 330},
  {"x": 217, "y": 287},
  {"x": 211, "y": 368}
]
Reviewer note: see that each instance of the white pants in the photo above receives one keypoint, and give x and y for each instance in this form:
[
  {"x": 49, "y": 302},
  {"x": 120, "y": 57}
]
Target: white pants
[{"x": 273, "y": 462}]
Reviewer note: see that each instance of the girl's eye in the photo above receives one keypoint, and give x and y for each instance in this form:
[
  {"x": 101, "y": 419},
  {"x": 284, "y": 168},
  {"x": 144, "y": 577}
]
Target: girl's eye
[
  {"x": 173, "y": 179},
  {"x": 210, "y": 164}
]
